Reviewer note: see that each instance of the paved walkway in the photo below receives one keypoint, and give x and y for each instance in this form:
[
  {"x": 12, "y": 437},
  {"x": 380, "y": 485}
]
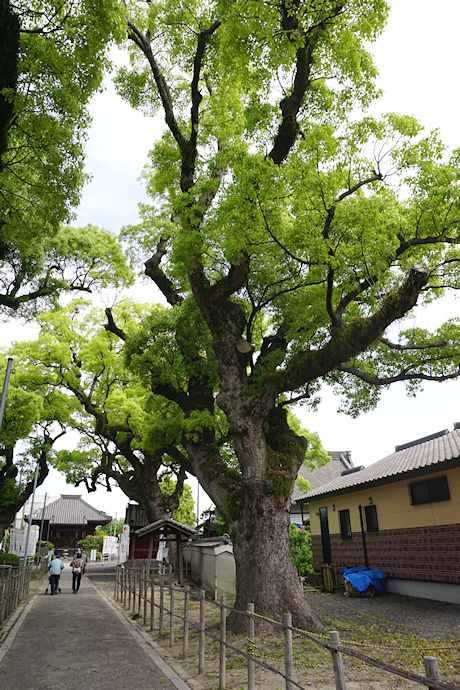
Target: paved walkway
[{"x": 76, "y": 641}]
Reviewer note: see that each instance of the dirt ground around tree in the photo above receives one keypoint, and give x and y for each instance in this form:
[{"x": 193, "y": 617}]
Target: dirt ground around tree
[{"x": 393, "y": 629}]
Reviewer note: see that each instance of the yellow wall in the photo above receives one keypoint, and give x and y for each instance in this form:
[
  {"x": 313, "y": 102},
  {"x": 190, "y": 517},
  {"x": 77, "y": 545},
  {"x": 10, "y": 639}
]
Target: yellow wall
[{"x": 394, "y": 510}]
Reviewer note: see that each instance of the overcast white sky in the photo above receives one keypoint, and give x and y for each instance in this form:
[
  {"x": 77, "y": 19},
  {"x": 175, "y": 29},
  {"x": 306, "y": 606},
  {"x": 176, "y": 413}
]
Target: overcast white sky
[{"x": 419, "y": 61}]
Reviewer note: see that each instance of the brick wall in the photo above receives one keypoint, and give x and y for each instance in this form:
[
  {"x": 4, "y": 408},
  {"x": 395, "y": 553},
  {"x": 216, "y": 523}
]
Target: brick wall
[{"x": 422, "y": 553}]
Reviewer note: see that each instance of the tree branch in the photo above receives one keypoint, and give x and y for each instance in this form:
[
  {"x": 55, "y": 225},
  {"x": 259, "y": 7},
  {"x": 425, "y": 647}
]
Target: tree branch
[
  {"x": 349, "y": 340},
  {"x": 398, "y": 346},
  {"x": 153, "y": 271},
  {"x": 111, "y": 326},
  {"x": 402, "y": 376}
]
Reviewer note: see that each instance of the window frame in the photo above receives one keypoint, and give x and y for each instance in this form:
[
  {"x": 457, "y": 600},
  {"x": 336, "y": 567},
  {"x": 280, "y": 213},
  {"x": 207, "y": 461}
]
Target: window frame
[
  {"x": 374, "y": 522},
  {"x": 345, "y": 525},
  {"x": 436, "y": 488}
]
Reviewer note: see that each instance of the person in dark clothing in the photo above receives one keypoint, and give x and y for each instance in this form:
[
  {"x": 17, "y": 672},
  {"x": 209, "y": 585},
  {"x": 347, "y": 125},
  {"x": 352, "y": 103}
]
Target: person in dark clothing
[{"x": 77, "y": 569}]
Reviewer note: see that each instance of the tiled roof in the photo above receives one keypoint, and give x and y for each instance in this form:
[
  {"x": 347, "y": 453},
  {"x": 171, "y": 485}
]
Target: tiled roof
[
  {"x": 169, "y": 525},
  {"x": 439, "y": 450},
  {"x": 322, "y": 475},
  {"x": 71, "y": 510}
]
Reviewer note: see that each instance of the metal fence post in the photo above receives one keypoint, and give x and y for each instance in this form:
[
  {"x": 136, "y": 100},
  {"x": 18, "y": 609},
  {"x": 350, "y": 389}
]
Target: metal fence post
[
  {"x": 337, "y": 662},
  {"x": 160, "y": 616},
  {"x": 431, "y": 668},
  {"x": 152, "y": 602},
  {"x": 171, "y": 614},
  {"x": 186, "y": 621},
  {"x": 146, "y": 583},
  {"x": 139, "y": 600},
  {"x": 288, "y": 659},
  {"x": 223, "y": 640},
  {"x": 251, "y": 648},
  {"x": 202, "y": 636}
]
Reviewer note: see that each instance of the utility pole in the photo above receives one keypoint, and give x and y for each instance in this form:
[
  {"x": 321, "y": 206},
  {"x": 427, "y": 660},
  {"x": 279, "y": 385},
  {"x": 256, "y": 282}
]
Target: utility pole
[
  {"x": 41, "y": 533},
  {"x": 30, "y": 515}
]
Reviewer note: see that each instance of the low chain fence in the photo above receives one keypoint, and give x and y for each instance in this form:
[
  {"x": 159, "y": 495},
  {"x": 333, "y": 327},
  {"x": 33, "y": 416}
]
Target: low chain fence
[
  {"x": 159, "y": 603},
  {"x": 14, "y": 586}
]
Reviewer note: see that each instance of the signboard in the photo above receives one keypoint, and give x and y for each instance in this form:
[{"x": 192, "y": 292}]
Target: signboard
[
  {"x": 110, "y": 546},
  {"x": 93, "y": 555},
  {"x": 18, "y": 538},
  {"x": 123, "y": 551}
]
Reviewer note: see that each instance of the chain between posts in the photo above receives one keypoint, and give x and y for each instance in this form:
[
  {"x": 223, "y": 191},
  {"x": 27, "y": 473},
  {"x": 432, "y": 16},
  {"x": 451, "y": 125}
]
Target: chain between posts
[{"x": 432, "y": 679}]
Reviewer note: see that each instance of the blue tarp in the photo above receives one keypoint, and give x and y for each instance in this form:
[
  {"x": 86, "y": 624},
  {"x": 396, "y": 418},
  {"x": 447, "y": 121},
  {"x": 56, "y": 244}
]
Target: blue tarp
[{"x": 361, "y": 578}]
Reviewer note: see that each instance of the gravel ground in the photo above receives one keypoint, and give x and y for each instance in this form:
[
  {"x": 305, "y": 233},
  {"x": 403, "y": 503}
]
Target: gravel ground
[{"x": 424, "y": 618}]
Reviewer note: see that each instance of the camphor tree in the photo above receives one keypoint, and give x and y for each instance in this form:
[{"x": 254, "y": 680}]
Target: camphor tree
[
  {"x": 126, "y": 434},
  {"x": 304, "y": 235},
  {"x": 52, "y": 60},
  {"x": 29, "y": 430}
]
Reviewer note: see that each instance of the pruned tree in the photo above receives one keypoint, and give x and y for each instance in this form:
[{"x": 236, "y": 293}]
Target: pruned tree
[
  {"x": 304, "y": 234},
  {"x": 82, "y": 363}
]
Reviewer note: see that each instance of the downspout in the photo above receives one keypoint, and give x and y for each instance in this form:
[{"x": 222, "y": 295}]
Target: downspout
[{"x": 366, "y": 562}]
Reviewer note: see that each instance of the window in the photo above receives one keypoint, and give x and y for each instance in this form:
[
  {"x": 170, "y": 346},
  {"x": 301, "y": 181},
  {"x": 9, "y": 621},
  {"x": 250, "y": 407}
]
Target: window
[
  {"x": 345, "y": 525},
  {"x": 429, "y": 491},
  {"x": 372, "y": 523}
]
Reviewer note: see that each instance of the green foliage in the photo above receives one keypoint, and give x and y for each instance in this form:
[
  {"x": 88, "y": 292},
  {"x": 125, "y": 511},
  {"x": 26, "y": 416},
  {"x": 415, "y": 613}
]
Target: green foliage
[
  {"x": 185, "y": 512},
  {"x": 9, "y": 559},
  {"x": 61, "y": 59},
  {"x": 106, "y": 530},
  {"x": 300, "y": 540},
  {"x": 91, "y": 542}
]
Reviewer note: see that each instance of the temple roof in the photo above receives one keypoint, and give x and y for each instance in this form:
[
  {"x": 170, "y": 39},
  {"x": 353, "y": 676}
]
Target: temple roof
[{"x": 71, "y": 510}]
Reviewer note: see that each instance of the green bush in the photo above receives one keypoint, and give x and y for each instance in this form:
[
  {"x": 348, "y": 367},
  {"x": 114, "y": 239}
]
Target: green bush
[
  {"x": 91, "y": 542},
  {"x": 301, "y": 549},
  {"x": 9, "y": 559},
  {"x": 48, "y": 544}
]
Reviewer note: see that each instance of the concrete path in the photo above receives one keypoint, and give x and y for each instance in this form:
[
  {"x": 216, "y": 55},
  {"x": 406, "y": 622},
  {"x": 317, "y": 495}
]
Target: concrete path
[{"x": 76, "y": 641}]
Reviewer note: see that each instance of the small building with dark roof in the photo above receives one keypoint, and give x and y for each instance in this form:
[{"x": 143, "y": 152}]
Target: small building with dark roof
[
  {"x": 340, "y": 461},
  {"x": 68, "y": 520},
  {"x": 400, "y": 515}
]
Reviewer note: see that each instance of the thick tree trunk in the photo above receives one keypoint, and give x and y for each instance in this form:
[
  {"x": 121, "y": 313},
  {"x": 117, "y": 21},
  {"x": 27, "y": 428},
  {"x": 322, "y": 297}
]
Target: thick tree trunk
[{"x": 265, "y": 571}]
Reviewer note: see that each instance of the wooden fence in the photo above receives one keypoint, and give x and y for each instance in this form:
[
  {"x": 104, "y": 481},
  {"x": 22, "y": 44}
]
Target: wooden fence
[
  {"x": 14, "y": 585},
  {"x": 142, "y": 595}
]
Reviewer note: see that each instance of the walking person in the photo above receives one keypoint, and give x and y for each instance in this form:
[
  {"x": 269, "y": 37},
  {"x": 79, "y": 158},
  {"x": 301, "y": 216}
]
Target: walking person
[
  {"x": 55, "y": 568},
  {"x": 77, "y": 569},
  {"x": 84, "y": 558}
]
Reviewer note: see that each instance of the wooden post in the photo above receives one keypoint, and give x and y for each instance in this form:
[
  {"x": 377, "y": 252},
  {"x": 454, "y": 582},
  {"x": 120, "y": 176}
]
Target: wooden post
[
  {"x": 288, "y": 659},
  {"x": 186, "y": 621},
  {"x": 2, "y": 601},
  {"x": 223, "y": 640},
  {"x": 431, "y": 668},
  {"x": 149, "y": 557},
  {"x": 180, "y": 560},
  {"x": 146, "y": 591},
  {"x": 152, "y": 603},
  {"x": 139, "y": 600},
  {"x": 202, "y": 636},
  {"x": 115, "y": 593},
  {"x": 160, "y": 615},
  {"x": 134, "y": 591},
  {"x": 130, "y": 576},
  {"x": 337, "y": 662},
  {"x": 171, "y": 614},
  {"x": 251, "y": 646}
]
